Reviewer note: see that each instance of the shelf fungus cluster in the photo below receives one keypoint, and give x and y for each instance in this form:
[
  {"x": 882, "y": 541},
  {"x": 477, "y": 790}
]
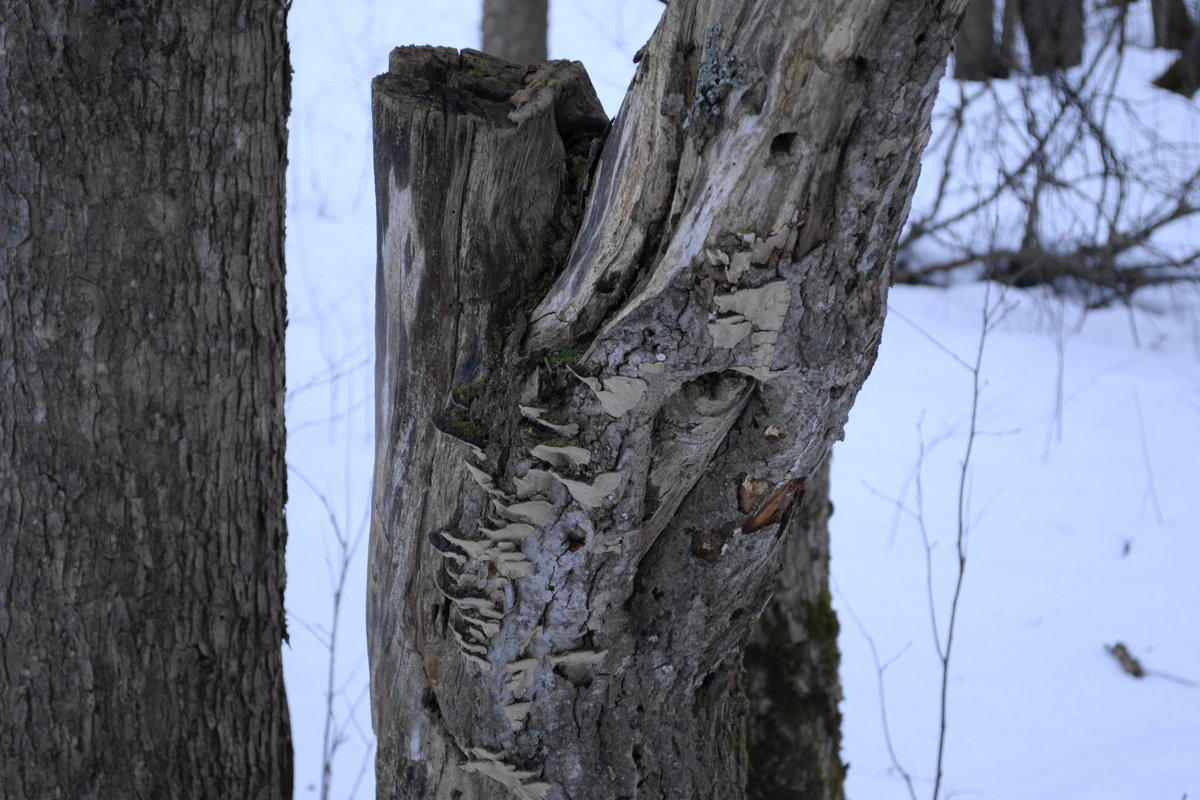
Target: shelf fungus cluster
[
  {"x": 523, "y": 783},
  {"x": 480, "y": 566}
]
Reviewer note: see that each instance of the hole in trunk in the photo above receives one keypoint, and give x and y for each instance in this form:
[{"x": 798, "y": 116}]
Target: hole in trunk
[{"x": 781, "y": 145}]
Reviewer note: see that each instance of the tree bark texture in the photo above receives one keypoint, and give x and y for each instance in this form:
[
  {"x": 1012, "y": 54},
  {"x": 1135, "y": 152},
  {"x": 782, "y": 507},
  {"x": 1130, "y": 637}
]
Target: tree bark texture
[
  {"x": 793, "y": 732},
  {"x": 591, "y": 444},
  {"x": 142, "y": 477},
  {"x": 515, "y": 30}
]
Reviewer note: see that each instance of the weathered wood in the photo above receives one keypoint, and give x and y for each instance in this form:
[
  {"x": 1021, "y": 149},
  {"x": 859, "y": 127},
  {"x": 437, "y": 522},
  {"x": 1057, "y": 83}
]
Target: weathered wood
[
  {"x": 142, "y": 478},
  {"x": 564, "y": 573},
  {"x": 478, "y": 170}
]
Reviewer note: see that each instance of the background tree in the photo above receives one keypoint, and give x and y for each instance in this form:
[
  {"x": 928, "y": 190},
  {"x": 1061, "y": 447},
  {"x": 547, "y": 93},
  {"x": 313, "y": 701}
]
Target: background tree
[
  {"x": 790, "y": 667},
  {"x": 1067, "y": 178},
  {"x": 141, "y": 430},
  {"x": 515, "y": 30},
  {"x": 580, "y": 505}
]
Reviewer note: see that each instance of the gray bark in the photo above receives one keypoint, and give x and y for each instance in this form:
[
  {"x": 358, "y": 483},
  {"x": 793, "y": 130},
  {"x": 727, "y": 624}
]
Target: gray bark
[
  {"x": 141, "y": 424},
  {"x": 582, "y": 491},
  {"x": 515, "y": 30}
]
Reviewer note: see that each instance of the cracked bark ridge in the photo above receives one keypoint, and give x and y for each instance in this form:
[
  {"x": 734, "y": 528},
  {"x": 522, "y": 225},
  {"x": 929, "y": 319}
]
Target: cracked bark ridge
[
  {"x": 142, "y": 477},
  {"x": 592, "y": 444}
]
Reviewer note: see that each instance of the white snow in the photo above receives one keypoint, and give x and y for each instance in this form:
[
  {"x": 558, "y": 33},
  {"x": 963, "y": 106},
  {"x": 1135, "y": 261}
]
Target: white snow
[
  {"x": 1082, "y": 533},
  {"x": 1083, "y": 503}
]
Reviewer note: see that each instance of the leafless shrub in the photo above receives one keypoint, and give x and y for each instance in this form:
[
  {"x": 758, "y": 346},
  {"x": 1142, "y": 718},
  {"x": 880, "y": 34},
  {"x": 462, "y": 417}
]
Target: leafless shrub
[{"x": 1085, "y": 179}]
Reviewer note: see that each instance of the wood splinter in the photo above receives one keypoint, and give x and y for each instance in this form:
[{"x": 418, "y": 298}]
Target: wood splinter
[{"x": 773, "y": 508}]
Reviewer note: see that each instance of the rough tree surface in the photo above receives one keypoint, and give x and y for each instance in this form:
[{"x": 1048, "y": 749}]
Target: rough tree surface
[
  {"x": 142, "y": 477},
  {"x": 594, "y": 421}
]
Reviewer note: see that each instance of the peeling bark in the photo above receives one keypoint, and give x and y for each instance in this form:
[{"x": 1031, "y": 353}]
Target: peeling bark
[
  {"x": 561, "y": 611},
  {"x": 142, "y": 477}
]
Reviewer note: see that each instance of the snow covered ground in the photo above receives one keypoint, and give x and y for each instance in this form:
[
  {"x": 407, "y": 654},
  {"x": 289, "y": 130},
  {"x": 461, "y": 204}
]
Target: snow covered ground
[
  {"x": 1081, "y": 532},
  {"x": 1082, "y": 497}
]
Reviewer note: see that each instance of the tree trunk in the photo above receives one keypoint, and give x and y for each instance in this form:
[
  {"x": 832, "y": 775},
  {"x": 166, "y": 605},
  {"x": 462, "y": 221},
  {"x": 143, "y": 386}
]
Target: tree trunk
[
  {"x": 1183, "y": 76},
  {"x": 1054, "y": 32},
  {"x": 515, "y": 30},
  {"x": 978, "y": 55},
  {"x": 791, "y": 667},
  {"x": 587, "y": 460},
  {"x": 1172, "y": 25},
  {"x": 142, "y": 476}
]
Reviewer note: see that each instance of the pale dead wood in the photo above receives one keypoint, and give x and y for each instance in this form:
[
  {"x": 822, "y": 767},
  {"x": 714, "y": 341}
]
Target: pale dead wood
[{"x": 562, "y": 579}]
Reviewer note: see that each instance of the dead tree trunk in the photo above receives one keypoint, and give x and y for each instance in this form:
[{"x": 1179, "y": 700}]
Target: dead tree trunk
[
  {"x": 591, "y": 445},
  {"x": 142, "y": 476}
]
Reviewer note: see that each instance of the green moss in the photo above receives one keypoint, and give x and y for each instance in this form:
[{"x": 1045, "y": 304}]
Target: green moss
[
  {"x": 470, "y": 392},
  {"x": 455, "y": 422},
  {"x": 577, "y": 169},
  {"x": 797, "y": 705},
  {"x": 567, "y": 354},
  {"x": 738, "y": 740},
  {"x": 823, "y": 626}
]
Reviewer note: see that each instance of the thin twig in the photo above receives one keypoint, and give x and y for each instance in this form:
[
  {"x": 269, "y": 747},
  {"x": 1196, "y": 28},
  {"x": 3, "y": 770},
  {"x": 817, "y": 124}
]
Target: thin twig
[
  {"x": 879, "y": 670},
  {"x": 333, "y": 735},
  {"x": 1146, "y": 462},
  {"x": 987, "y": 324}
]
